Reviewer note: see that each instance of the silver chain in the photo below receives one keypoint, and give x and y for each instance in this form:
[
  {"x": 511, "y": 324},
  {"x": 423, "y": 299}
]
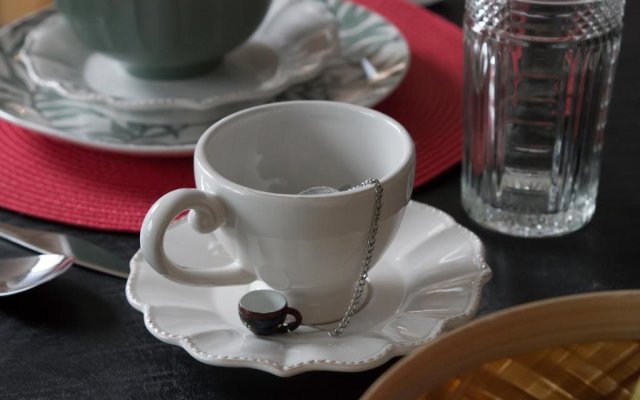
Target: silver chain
[{"x": 366, "y": 258}]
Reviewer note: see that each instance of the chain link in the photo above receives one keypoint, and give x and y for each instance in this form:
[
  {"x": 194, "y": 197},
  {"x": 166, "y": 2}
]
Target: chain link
[{"x": 366, "y": 258}]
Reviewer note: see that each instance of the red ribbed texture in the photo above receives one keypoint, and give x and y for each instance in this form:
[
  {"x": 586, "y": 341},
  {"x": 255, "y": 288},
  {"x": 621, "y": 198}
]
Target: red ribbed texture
[
  {"x": 428, "y": 102},
  {"x": 70, "y": 184}
]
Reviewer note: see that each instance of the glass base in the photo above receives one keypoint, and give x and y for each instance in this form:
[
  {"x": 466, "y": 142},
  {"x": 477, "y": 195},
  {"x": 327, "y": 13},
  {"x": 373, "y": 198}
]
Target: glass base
[{"x": 528, "y": 225}]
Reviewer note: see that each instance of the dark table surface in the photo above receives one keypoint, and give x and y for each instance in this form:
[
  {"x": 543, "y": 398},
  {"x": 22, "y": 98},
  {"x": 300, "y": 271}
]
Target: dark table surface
[{"x": 77, "y": 337}]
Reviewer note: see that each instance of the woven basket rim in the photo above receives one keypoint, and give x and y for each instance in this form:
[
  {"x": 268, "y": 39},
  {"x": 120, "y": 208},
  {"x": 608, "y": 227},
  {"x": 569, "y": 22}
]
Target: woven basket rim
[{"x": 578, "y": 318}]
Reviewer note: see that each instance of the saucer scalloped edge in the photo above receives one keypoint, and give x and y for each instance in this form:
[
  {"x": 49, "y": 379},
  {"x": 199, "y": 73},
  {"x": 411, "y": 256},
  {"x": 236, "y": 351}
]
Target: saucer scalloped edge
[
  {"x": 372, "y": 61},
  {"x": 292, "y": 45},
  {"x": 429, "y": 280}
]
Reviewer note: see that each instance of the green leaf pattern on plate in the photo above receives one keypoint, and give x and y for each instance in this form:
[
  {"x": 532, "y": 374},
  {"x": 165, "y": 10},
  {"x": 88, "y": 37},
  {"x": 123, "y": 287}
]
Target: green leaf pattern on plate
[{"x": 364, "y": 36}]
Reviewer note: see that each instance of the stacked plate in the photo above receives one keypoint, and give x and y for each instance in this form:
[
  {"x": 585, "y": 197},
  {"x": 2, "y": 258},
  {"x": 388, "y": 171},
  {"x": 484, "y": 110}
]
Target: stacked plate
[{"x": 305, "y": 49}]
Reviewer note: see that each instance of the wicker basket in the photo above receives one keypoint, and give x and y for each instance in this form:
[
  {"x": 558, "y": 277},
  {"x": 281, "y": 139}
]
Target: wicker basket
[
  {"x": 576, "y": 347},
  {"x": 12, "y": 9}
]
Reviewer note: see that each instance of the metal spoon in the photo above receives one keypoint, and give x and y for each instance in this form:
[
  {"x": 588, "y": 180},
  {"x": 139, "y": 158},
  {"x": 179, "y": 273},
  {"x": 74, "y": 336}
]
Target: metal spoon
[{"x": 23, "y": 273}]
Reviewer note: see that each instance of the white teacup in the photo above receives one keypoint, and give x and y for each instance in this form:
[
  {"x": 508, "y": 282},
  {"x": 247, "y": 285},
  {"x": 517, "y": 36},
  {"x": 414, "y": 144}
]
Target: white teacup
[{"x": 249, "y": 169}]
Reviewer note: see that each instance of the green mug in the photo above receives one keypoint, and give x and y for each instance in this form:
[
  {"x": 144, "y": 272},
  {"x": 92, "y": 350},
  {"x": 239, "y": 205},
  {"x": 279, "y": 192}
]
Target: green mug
[{"x": 164, "y": 39}]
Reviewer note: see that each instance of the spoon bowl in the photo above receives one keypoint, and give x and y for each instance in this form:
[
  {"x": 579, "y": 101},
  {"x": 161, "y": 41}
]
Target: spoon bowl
[{"x": 23, "y": 273}]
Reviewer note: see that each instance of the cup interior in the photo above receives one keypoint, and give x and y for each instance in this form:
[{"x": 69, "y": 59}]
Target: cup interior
[
  {"x": 289, "y": 147},
  {"x": 263, "y": 301}
]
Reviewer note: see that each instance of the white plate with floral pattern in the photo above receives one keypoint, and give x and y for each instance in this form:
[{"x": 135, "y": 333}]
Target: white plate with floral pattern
[
  {"x": 429, "y": 280},
  {"x": 292, "y": 45},
  {"x": 372, "y": 59}
]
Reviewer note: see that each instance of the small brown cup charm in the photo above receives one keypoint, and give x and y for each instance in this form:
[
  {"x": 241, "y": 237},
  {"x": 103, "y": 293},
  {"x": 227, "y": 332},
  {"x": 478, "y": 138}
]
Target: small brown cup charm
[{"x": 264, "y": 312}]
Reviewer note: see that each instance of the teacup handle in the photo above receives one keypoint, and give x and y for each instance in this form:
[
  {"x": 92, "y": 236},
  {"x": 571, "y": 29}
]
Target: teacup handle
[
  {"x": 293, "y": 325},
  {"x": 208, "y": 213}
]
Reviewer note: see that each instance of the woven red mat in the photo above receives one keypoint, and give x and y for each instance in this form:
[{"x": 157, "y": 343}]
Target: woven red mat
[{"x": 70, "y": 184}]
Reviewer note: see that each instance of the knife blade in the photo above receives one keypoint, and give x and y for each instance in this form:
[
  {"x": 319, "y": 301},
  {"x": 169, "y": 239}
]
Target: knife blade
[{"x": 86, "y": 254}]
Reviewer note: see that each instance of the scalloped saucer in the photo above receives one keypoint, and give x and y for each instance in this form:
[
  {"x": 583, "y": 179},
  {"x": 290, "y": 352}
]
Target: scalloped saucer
[
  {"x": 293, "y": 44},
  {"x": 373, "y": 59},
  {"x": 429, "y": 280}
]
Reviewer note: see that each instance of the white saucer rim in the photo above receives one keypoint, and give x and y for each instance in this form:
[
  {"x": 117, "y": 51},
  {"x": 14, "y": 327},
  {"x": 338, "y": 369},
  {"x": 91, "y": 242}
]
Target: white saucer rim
[
  {"x": 389, "y": 351},
  {"x": 279, "y": 83},
  {"x": 149, "y": 150}
]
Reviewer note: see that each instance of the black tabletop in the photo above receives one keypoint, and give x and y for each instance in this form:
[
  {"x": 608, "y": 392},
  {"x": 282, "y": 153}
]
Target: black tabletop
[{"x": 77, "y": 337}]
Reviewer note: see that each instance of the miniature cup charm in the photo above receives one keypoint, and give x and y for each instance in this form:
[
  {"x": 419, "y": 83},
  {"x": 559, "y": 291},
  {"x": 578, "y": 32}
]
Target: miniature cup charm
[{"x": 264, "y": 312}]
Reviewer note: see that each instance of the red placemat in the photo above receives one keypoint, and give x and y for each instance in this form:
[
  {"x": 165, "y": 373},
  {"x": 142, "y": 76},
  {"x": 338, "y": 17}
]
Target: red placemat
[
  {"x": 428, "y": 102},
  {"x": 66, "y": 183}
]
